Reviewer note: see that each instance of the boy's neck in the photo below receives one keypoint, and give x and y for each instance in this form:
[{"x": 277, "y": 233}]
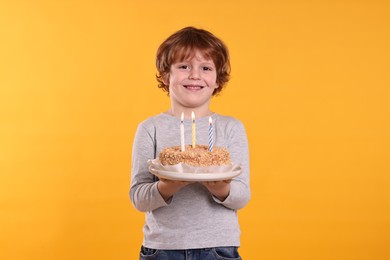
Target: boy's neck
[{"x": 187, "y": 112}]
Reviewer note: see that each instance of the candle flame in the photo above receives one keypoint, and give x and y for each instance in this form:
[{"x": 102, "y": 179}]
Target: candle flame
[
  {"x": 193, "y": 116},
  {"x": 182, "y": 117}
]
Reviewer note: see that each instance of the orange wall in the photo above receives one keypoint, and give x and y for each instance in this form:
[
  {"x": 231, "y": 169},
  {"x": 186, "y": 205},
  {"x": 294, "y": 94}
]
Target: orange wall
[{"x": 310, "y": 82}]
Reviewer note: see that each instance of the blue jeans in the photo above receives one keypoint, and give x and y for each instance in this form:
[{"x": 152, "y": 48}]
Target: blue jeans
[{"x": 213, "y": 253}]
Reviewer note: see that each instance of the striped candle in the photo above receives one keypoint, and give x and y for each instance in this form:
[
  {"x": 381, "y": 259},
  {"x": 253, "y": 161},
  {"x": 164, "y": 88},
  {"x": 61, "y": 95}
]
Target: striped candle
[
  {"x": 193, "y": 130},
  {"x": 211, "y": 138}
]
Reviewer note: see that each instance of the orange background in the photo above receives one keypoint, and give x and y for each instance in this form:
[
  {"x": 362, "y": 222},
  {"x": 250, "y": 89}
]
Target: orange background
[{"x": 310, "y": 81}]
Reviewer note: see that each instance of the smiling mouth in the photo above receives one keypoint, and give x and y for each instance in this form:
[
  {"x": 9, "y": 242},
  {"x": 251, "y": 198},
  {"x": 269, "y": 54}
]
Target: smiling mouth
[{"x": 193, "y": 87}]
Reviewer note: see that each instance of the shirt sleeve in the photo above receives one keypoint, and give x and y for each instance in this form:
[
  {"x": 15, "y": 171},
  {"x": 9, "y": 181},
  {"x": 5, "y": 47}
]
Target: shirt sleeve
[
  {"x": 143, "y": 188},
  {"x": 239, "y": 151}
]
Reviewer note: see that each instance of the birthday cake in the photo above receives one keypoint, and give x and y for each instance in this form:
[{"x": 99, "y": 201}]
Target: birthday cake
[{"x": 199, "y": 156}]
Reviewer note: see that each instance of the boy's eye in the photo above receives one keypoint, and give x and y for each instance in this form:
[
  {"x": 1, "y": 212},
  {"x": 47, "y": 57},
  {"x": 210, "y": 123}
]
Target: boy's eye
[
  {"x": 207, "y": 68},
  {"x": 183, "y": 66}
]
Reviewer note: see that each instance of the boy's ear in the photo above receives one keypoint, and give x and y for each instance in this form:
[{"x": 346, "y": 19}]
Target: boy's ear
[
  {"x": 165, "y": 80},
  {"x": 215, "y": 88}
]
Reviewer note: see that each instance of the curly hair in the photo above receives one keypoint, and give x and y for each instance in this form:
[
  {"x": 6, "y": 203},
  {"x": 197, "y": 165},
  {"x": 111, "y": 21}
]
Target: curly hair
[{"x": 182, "y": 45}]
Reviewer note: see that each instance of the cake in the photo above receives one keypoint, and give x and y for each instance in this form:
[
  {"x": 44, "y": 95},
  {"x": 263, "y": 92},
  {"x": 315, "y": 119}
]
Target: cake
[{"x": 199, "y": 156}]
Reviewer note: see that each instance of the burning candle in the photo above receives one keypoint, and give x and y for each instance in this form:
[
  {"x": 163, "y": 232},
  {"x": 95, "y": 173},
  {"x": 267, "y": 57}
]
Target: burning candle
[
  {"x": 211, "y": 139},
  {"x": 182, "y": 132},
  {"x": 193, "y": 130}
]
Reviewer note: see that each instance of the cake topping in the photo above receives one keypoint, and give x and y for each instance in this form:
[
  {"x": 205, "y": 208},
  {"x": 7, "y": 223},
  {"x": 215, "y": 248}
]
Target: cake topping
[{"x": 197, "y": 156}]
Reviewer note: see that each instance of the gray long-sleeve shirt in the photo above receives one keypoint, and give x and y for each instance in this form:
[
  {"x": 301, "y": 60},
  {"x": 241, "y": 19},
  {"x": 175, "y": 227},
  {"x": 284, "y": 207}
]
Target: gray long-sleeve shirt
[{"x": 192, "y": 218}]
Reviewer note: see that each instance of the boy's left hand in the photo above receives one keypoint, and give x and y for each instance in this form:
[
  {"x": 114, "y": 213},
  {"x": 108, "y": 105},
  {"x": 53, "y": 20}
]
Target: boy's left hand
[{"x": 220, "y": 189}]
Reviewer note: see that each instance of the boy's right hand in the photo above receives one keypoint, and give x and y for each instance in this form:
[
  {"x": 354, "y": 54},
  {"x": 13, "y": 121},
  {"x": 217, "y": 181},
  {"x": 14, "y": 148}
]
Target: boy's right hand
[{"x": 168, "y": 188}]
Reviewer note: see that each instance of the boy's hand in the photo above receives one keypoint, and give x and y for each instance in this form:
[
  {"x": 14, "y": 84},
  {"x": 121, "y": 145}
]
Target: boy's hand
[
  {"x": 220, "y": 189},
  {"x": 168, "y": 188}
]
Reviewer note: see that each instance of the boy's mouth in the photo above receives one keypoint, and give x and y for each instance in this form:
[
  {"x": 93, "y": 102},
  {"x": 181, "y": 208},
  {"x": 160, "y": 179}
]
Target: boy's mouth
[{"x": 193, "y": 87}]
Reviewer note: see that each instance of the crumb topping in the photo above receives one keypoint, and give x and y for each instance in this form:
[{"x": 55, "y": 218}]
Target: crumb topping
[{"x": 198, "y": 156}]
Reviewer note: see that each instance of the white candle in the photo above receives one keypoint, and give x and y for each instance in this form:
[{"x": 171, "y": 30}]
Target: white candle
[
  {"x": 182, "y": 132},
  {"x": 211, "y": 137},
  {"x": 193, "y": 130}
]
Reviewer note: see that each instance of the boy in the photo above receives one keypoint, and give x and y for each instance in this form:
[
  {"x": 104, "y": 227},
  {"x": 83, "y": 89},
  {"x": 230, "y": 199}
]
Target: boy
[{"x": 190, "y": 220}]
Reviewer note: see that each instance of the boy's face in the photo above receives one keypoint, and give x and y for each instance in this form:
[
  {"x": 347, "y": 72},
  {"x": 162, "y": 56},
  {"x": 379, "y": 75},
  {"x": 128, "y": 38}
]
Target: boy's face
[{"x": 192, "y": 82}]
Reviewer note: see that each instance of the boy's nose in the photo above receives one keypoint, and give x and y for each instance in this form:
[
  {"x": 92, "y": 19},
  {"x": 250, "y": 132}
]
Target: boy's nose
[{"x": 194, "y": 74}]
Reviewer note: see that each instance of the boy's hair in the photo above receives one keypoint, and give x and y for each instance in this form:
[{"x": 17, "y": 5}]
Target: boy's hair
[{"x": 182, "y": 45}]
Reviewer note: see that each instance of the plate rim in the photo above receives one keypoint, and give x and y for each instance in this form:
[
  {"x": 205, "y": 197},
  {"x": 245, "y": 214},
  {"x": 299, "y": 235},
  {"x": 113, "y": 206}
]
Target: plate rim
[{"x": 186, "y": 176}]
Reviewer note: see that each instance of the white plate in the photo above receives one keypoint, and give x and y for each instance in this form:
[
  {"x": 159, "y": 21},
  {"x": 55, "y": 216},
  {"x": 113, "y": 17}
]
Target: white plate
[{"x": 185, "y": 176}]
